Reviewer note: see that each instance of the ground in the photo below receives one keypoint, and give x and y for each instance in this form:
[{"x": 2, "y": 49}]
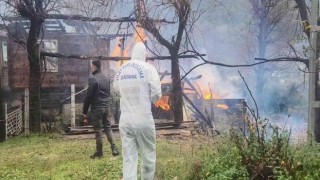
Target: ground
[{"x": 56, "y": 157}]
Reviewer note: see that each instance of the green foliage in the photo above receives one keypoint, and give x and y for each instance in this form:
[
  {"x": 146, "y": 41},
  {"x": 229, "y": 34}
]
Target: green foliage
[
  {"x": 263, "y": 148},
  {"x": 225, "y": 163},
  {"x": 53, "y": 157},
  {"x": 260, "y": 152},
  {"x": 176, "y": 159},
  {"x": 307, "y": 162}
]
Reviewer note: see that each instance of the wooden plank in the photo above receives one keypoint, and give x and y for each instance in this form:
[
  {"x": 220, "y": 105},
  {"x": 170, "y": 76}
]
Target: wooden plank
[
  {"x": 6, "y": 120},
  {"x": 73, "y": 106},
  {"x": 316, "y": 104},
  {"x": 26, "y": 112}
]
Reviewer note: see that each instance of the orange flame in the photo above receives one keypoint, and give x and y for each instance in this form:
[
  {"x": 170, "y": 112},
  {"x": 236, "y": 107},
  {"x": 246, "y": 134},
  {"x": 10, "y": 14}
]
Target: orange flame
[
  {"x": 139, "y": 34},
  {"x": 117, "y": 52},
  {"x": 117, "y": 49},
  {"x": 207, "y": 95},
  {"x": 163, "y": 103},
  {"x": 223, "y": 106}
]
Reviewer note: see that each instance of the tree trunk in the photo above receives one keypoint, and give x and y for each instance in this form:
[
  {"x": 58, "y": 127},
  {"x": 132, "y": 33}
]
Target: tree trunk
[
  {"x": 261, "y": 68},
  {"x": 1, "y": 101},
  {"x": 317, "y": 111},
  {"x": 35, "y": 75},
  {"x": 183, "y": 8},
  {"x": 317, "y": 95},
  {"x": 176, "y": 99}
]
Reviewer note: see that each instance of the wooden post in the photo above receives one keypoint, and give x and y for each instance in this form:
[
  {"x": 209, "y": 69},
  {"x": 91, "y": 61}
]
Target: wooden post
[
  {"x": 26, "y": 112},
  {"x": 108, "y": 54},
  {"x": 73, "y": 106},
  {"x": 312, "y": 68},
  {"x": 6, "y": 119},
  {"x": 122, "y": 49},
  {"x": 211, "y": 108}
]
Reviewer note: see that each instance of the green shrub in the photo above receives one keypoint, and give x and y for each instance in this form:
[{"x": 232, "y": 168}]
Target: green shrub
[
  {"x": 307, "y": 162},
  {"x": 225, "y": 163},
  {"x": 261, "y": 152}
]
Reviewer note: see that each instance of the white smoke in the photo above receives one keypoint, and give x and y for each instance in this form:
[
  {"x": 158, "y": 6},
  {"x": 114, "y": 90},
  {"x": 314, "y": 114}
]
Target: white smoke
[{"x": 212, "y": 79}]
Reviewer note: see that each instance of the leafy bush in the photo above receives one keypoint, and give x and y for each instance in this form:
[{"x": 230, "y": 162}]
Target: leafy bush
[
  {"x": 260, "y": 152},
  {"x": 263, "y": 148},
  {"x": 307, "y": 162},
  {"x": 225, "y": 163}
]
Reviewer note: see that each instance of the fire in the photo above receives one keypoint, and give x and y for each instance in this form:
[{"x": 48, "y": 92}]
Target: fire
[
  {"x": 163, "y": 103},
  {"x": 117, "y": 52},
  {"x": 207, "y": 95},
  {"x": 223, "y": 106},
  {"x": 139, "y": 34},
  {"x": 117, "y": 49}
]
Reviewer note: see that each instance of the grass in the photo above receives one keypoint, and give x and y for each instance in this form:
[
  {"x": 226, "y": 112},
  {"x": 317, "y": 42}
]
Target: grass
[{"x": 53, "y": 157}]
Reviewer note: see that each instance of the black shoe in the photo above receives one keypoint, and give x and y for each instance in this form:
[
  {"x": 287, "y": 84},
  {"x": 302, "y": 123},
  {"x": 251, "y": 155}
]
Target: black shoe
[
  {"x": 115, "y": 151},
  {"x": 96, "y": 155}
]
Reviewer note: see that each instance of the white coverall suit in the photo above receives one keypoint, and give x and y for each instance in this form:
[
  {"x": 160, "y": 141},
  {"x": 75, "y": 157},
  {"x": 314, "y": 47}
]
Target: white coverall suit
[{"x": 138, "y": 84}]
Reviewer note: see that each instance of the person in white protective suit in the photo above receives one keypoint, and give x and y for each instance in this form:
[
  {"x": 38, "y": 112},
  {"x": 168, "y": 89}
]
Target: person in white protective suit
[{"x": 139, "y": 85}]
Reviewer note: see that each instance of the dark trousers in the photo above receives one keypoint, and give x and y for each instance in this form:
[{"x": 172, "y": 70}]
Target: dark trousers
[{"x": 99, "y": 119}]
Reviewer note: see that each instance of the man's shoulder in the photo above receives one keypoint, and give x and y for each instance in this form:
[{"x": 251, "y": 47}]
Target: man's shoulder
[
  {"x": 92, "y": 78},
  {"x": 133, "y": 64},
  {"x": 101, "y": 75}
]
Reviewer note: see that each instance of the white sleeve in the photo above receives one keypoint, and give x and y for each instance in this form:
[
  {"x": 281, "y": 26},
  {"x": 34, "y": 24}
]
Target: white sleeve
[
  {"x": 154, "y": 82},
  {"x": 116, "y": 83}
]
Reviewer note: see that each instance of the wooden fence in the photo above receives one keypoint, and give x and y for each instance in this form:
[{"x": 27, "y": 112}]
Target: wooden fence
[{"x": 15, "y": 120}]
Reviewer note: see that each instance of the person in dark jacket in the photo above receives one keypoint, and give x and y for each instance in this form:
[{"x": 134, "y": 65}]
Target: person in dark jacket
[{"x": 97, "y": 97}]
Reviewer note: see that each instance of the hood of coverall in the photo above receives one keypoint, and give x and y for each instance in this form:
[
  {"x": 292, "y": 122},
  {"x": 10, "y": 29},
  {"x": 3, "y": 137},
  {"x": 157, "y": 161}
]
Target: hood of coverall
[{"x": 139, "y": 52}]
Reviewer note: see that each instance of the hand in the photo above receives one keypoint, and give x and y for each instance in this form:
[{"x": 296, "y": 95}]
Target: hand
[
  {"x": 85, "y": 118},
  {"x": 155, "y": 98}
]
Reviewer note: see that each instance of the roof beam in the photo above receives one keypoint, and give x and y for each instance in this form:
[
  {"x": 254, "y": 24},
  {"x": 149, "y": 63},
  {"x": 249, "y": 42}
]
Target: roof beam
[
  {"x": 84, "y": 18},
  {"x": 108, "y": 58}
]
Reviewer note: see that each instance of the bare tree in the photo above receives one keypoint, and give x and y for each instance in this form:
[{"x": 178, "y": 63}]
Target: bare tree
[
  {"x": 182, "y": 9},
  {"x": 269, "y": 16},
  {"x": 35, "y": 11}
]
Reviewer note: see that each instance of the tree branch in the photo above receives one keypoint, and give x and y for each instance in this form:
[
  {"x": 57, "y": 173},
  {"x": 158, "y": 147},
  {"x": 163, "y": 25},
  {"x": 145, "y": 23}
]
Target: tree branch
[
  {"x": 256, "y": 117},
  {"x": 149, "y": 25},
  {"x": 286, "y": 59},
  {"x": 304, "y": 16},
  {"x": 107, "y": 58},
  {"x": 183, "y": 18},
  {"x": 93, "y": 19}
]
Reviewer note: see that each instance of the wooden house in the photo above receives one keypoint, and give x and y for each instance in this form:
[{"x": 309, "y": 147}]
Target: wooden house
[{"x": 57, "y": 36}]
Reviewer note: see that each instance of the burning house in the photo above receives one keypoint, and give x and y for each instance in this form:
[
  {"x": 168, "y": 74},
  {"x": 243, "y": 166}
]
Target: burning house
[
  {"x": 74, "y": 37},
  {"x": 207, "y": 107},
  {"x": 58, "y": 36},
  {"x": 211, "y": 109}
]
